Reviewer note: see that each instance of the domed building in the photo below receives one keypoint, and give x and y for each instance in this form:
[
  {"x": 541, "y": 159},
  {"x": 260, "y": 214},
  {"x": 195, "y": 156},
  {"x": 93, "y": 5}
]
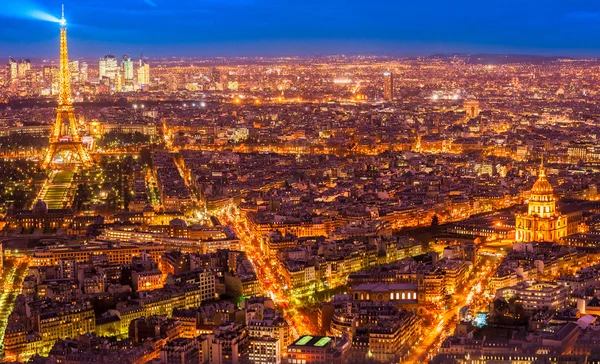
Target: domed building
[
  {"x": 40, "y": 209},
  {"x": 39, "y": 217},
  {"x": 542, "y": 222}
]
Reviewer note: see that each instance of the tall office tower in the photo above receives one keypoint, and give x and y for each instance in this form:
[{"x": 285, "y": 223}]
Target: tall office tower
[
  {"x": 388, "y": 86},
  {"x": 143, "y": 73},
  {"x": 119, "y": 87},
  {"x": 127, "y": 71},
  {"x": 32, "y": 83},
  {"x": 83, "y": 72},
  {"x": 74, "y": 69},
  {"x": 50, "y": 78},
  {"x": 13, "y": 69},
  {"x": 55, "y": 80},
  {"x": 107, "y": 67},
  {"x": 23, "y": 66},
  {"x": 64, "y": 137},
  {"x": 47, "y": 74},
  {"x": 101, "y": 68},
  {"x": 215, "y": 75}
]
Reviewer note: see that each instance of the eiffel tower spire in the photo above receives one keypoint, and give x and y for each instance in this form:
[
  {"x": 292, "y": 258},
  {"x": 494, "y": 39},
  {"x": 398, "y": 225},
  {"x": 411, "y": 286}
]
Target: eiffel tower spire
[{"x": 65, "y": 136}]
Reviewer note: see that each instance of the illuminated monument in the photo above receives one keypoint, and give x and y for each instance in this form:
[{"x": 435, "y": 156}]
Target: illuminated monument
[
  {"x": 64, "y": 138},
  {"x": 542, "y": 222}
]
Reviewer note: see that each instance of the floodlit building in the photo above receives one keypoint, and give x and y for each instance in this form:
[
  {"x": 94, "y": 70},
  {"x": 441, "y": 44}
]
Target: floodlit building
[
  {"x": 107, "y": 67},
  {"x": 319, "y": 349},
  {"x": 471, "y": 108},
  {"x": 388, "y": 86},
  {"x": 127, "y": 71},
  {"x": 536, "y": 296},
  {"x": 143, "y": 73},
  {"x": 542, "y": 222},
  {"x": 264, "y": 350}
]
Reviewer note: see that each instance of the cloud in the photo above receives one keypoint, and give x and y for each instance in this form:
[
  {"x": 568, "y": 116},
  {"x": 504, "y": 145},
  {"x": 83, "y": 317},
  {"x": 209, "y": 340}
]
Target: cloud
[
  {"x": 151, "y": 3},
  {"x": 584, "y": 15}
]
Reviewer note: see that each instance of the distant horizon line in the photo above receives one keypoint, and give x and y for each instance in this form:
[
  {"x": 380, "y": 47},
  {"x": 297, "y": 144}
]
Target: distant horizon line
[{"x": 317, "y": 55}]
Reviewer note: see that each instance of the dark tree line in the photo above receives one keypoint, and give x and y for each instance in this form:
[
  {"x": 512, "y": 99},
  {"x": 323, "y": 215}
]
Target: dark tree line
[
  {"x": 23, "y": 141},
  {"x": 114, "y": 139}
]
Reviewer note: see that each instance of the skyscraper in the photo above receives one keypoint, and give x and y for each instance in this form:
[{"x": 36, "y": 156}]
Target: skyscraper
[
  {"x": 74, "y": 70},
  {"x": 13, "y": 69},
  {"x": 215, "y": 75},
  {"x": 107, "y": 67},
  {"x": 83, "y": 72},
  {"x": 101, "y": 68},
  {"x": 47, "y": 74},
  {"x": 127, "y": 71},
  {"x": 23, "y": 67},
  {"x": 388, "y": 86},
  {"x": 119, "y": 81},
  {"x": 143, "y": 73},
  {"x": 50, "y": 78}
]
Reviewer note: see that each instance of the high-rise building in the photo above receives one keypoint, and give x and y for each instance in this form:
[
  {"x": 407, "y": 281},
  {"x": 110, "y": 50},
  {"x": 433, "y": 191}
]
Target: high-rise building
[
  {"x": 127, "y": 71},
  {"x": 23, "y": 66},
  {"x": 119, "y": 81},
  {"x": 74, "y": 70},
  {"x": 388, "y": 86},
  {"x": 107, "y": 67},
  {"x": 215, "y": 75},
  {"x": 101, "y": 68},
  {"x": 18, "y": 70},
  {"x": 48, "y": 74},
  {"x": 50, "y": 79},
  {"x": 13, "y": 69},
  {"x": 83, "y": 72},
  {"x": 143, "y": 73}
]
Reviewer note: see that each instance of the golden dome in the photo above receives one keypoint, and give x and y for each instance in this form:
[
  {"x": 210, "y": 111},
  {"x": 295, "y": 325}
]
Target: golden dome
[
  {"x": 542, "y": 190},
  {"x": 542, "y": 186}
]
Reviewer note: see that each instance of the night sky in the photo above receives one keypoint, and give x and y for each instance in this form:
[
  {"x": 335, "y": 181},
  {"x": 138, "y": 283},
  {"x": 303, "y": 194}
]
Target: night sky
[{"x": 307, "y": 27}]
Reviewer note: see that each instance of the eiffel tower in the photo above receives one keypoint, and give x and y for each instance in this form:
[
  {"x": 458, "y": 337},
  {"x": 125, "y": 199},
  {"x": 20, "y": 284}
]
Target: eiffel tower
[{"x": 64, "y": 136}]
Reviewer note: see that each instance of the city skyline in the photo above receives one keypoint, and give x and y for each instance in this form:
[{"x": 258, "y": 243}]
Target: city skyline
[
  {"x": 269, "y": 28},
  {"x": 297, "y": 210}
]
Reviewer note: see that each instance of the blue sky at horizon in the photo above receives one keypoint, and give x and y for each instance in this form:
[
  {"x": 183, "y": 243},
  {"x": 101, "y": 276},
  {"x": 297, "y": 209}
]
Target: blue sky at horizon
[{"x": 309, "y": 27}]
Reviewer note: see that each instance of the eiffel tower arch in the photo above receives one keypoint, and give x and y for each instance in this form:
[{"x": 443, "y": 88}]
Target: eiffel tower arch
[{"x": 65, "y": 140}]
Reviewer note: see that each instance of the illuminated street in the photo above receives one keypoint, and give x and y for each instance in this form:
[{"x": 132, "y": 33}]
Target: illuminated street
[
  {"x": 12, "y": 277},
  {"x": 270, "y": 278},
  {"x": 474, "y": 294}
]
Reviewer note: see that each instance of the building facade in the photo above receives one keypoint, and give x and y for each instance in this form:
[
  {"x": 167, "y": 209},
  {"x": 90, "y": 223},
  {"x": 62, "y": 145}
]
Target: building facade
[{"x": 542, "y": 222}]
